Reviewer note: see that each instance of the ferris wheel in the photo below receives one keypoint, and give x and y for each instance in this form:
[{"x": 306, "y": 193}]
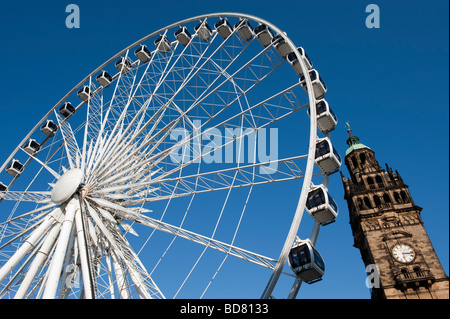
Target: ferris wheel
[{"x": 140, "y": 179}]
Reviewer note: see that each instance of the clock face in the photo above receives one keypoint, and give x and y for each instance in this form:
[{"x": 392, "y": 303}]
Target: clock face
[{"x": 403, "y": 253}]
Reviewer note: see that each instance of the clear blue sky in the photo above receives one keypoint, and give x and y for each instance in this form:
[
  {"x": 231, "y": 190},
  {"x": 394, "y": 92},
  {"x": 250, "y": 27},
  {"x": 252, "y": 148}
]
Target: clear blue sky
[{"x": 391, "y": 83}]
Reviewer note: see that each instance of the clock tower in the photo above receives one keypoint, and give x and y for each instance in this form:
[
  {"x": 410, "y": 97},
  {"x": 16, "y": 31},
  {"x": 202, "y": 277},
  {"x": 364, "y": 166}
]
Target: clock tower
[{"x": 389, "y": 231}]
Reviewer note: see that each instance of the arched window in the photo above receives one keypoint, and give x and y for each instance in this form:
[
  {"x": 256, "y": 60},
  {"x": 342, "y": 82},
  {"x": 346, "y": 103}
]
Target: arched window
[
  {"x": 418, "y": 271},
  {"x": 377, "y": 200},
  {"x": 379, "y": 180},
  {"x": 386, "y": 198},
  {"x": 404, "y": 196},
  {"x": 362, "y": 157},
  {"x": 360, "y": 204},
  {"x": 397, "y": 198},
  {"x": 405, "y": 273},
  {"x": 355, "y": 162},
  {"x": 370, "y": 182},
  {"x": 367, "y": 202}
]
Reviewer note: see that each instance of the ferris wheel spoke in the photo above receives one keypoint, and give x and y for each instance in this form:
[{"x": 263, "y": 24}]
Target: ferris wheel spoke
[
  {"x": 236, "y": 177},
  {"x": 70, "y": 143},
  {"x": 131, "y": 215},
  {"x": 209, "y": 242},
  {"x": 27, "y": 196}
]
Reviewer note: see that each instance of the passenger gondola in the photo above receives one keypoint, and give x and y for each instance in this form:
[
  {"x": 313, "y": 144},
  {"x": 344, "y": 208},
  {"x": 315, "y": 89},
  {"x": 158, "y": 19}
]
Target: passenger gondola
[
  {"x": 326, "y": 119},
  {"x": 143, "y": 53},
  {"x": 318, "y": 85},
  {"x": 3, "y": 187},
  {"x": 84, "y": 93},
  {"x": 244, "y": 29},
  {"x": 306, "y": 262},
  {"x": 321, "y": 206},
  {"x": 281, "y": 46},
  {"x": 163, "y": 44},
  {"x": 104, "y": 79},
  {"x": 264, "y": 35},
  {"x": 14, "y": 168},
  {"x": 204, "y": 31},
  {"x": 31, "y": 147},
  {"x": 224, "y": 28},
  {"x": 183, "y": 36},
  {"x": 292, "y": 59},
  {"x": 123, "y": 65},
  {"x": 49, "y": 128},
  {"x": 67, "y": 109},
  {"x": 327, "y": 158}
]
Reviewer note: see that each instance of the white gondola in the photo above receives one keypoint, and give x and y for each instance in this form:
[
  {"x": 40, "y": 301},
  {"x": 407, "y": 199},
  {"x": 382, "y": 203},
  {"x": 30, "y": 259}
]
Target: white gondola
[
  {"x": 31, "y": 147},
  {"x": 282, "y": 47},
  {"x": 264, "y": 35},
  {"x": 326, "y": 119},
  {"x": 318, "y": 85},
  {"x": 244, "y": 29},
  {"x": 3, "y": 187},
  {"x": 85, "y": 93},
  {"x": 104, "y": 79},
  {"x": 321, "y": 206},
  {"x": 14, "y": 168},
  {"x": 183, "y": 36},
  {"x": 67, "y": 109},
  {"x": 224, "y": 28},
  {"x": 306, "y": 262},
  {"x": 123, "y": 65},
  {"x": 143, "y": 53},
  {"x": 292, "y": 59},
  {"x": 204, "y": 31},
  {"x": 163, "y": 44},
  {"x": 327, "y": 158},
  {"x": 49, "y": 128}
]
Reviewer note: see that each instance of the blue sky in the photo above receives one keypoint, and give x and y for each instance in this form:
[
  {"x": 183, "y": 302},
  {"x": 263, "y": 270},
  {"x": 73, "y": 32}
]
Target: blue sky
[{"x": 391, "y": 83}]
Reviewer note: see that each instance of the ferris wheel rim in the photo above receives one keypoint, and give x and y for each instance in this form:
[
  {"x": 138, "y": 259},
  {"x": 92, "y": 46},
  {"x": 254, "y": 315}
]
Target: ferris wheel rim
[{"x": 313, "y": 124}]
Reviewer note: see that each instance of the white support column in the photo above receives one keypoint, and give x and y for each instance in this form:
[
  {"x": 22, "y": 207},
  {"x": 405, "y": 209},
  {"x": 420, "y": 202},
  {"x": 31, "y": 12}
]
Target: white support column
[
  {"x": 67, "y": 270},
  {"x": 35, "y": 236},
  {"x": 60, "y": 251},
  {"x": 82, "y": 247},
  {"x": 120, "y": 277},
  {"x": 41, "y": 256},
  {"x": 110, "y": 277}
]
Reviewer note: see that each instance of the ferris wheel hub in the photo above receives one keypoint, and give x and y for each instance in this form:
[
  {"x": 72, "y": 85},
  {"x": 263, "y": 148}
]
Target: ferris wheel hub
[{"x": 66, "y": 185}]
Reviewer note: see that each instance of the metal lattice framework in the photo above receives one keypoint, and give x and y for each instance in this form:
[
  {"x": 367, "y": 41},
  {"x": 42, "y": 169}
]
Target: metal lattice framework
[{"x": 151, "y": 137}]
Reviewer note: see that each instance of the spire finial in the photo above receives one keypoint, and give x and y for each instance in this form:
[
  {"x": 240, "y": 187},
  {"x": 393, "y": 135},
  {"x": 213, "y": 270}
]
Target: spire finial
[
  {"x": 352, "y": 141},
  {"x": 349, "y": 130},
  {"x": 347, "y": 125}
]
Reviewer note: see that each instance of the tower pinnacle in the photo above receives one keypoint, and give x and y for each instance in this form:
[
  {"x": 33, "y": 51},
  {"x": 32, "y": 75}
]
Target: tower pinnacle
[{"x": 352, "y": 141}]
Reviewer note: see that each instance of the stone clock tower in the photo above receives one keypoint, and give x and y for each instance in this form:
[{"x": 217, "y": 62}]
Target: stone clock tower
[{"x": 388, "y": 229}]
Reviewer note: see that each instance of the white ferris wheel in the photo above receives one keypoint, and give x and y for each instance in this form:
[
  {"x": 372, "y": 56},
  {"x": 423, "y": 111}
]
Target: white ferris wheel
[{"x": 148, "y": 165}]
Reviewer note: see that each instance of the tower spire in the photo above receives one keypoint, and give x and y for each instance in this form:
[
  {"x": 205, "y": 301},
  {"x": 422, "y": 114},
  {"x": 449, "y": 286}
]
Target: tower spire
[{"x": 353, "y": 141}]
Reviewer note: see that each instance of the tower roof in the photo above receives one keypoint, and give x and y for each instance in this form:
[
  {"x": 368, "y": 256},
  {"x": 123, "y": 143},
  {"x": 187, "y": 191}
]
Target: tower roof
[{"x": 353, "y": 141}]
